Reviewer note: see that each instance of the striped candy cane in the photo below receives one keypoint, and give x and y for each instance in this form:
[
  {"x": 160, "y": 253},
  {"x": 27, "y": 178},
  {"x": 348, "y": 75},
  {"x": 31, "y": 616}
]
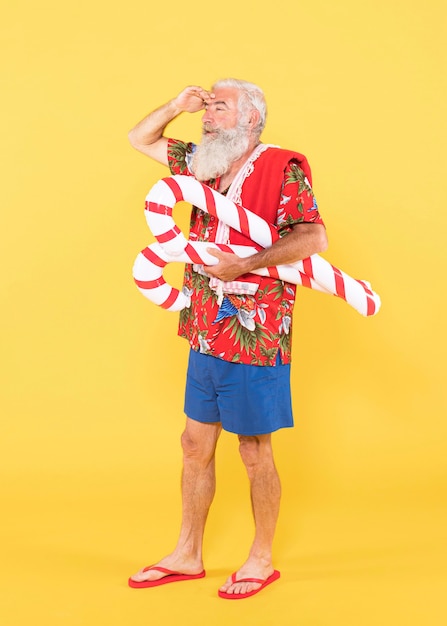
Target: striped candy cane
[{"x": 313, "y": 272}]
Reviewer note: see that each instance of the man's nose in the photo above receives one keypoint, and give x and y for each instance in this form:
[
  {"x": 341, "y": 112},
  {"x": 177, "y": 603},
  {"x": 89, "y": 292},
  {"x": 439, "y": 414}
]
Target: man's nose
[{"x": 207, "y": 117}]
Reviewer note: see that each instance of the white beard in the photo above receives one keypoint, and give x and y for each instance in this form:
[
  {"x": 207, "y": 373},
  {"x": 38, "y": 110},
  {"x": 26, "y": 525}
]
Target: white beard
[{"x": 215, "y": 155}]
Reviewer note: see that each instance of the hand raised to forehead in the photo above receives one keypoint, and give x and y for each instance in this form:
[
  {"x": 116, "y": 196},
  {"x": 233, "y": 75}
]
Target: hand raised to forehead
[{"x": 193, "y": 99}]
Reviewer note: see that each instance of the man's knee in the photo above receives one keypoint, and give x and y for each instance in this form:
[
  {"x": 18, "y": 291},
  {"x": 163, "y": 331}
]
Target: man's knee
[
  {"x": 255, "y": 451},
  {"x": 199, "y": 441},
  {"x": 192, "y": 446}
]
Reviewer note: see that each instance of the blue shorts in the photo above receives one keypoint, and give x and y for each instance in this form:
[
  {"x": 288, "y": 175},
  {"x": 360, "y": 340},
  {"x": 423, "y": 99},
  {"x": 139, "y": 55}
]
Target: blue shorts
[{"x": 246, "y": 399}]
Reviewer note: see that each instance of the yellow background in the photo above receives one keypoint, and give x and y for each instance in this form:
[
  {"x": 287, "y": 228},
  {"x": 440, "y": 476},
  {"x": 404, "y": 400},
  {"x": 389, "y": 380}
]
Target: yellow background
[{"x": 93, "y": 374}]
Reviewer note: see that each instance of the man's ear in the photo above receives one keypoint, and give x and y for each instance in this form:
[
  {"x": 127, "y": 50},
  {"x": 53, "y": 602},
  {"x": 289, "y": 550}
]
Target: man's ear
[{"x": 254, "y": 118}]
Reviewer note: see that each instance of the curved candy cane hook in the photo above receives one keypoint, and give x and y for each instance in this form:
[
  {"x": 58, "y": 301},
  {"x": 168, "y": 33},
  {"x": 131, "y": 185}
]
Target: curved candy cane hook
[{"x": 313, "y": 272}]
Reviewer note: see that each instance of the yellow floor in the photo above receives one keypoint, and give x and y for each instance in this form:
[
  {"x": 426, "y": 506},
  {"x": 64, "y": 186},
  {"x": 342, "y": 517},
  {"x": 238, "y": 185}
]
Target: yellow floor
[{"x": 72, "y": 541}]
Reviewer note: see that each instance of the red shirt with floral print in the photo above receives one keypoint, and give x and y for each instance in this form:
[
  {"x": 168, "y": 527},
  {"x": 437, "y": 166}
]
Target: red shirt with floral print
[{"x": 247, "y": 328}]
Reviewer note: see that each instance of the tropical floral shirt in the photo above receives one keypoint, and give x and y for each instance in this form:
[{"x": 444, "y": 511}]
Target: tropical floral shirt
[{"x": 243, "y": 328}]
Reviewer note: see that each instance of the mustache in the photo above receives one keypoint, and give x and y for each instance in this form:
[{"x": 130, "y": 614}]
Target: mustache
[{"x": 208, "y": 128}]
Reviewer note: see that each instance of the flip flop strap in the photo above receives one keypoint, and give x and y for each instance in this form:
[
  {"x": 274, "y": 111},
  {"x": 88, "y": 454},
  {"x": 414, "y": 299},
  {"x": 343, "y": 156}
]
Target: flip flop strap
[
  {"x": 160, "y": 569},
  {"x": 247, "y": 580}
]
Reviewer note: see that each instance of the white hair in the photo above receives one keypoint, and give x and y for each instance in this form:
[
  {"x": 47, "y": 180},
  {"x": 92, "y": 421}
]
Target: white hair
[{"x": 251, "y": 97}]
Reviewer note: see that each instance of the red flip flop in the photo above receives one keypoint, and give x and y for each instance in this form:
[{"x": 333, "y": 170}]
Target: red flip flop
[
  {"x": 171, "y": 577},
  {"x": 239, "y": 596}
]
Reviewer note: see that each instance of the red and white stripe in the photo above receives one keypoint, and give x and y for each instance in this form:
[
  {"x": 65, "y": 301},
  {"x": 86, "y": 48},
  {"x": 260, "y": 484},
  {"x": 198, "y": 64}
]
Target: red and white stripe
[{"x": 313, "y": 272}]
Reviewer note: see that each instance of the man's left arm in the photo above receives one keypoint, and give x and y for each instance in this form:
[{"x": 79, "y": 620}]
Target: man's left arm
[{"x": 301, "y": 242}]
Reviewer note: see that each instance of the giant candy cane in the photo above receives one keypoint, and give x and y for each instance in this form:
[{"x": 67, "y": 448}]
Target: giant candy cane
[{"x": 172, "y": 246}]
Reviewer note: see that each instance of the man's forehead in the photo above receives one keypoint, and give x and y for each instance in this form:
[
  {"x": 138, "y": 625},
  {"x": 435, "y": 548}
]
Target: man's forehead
[{"x": 226, "y": 95}]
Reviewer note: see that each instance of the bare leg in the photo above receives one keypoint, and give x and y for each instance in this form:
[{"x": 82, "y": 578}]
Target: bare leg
[
  {"x": 198, "y": 486},
  {"x": 257, "y": 455}
]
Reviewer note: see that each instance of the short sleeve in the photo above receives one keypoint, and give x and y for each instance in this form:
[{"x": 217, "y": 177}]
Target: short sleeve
[
  {"x": 179, "y": 154},
  {"x": 297, "y": 203}
]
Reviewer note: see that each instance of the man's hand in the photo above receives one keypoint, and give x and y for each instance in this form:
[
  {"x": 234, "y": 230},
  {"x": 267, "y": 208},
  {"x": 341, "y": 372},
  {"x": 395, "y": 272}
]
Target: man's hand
[
  {"x": 303, "y": 241},
  {"x": 230, "y": 266},
  {"x": 148, "y": 137},
  {"x": 193, "y": 99}
]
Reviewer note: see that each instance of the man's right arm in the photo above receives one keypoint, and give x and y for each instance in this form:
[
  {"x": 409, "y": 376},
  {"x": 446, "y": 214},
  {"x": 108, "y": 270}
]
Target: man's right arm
[{"x": 147, "y": 136}]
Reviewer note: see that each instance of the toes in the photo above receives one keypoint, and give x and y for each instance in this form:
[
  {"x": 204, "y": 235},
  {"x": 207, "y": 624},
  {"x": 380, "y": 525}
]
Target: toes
[
  {"x": 245, "y": 587},
  {"x": 139, "y": 577},
  {"x": 225, "y": 587},
  {"x": 144, "y": 575}
]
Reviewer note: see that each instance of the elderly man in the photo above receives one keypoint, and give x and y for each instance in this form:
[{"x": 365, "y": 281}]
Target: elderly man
[{"x": 238, "y": 324}]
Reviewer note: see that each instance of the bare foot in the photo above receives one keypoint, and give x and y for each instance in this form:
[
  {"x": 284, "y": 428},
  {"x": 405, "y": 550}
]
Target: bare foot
[
  {"x": 173, "y": 564},
  {"x": 251, "y": 569}
]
